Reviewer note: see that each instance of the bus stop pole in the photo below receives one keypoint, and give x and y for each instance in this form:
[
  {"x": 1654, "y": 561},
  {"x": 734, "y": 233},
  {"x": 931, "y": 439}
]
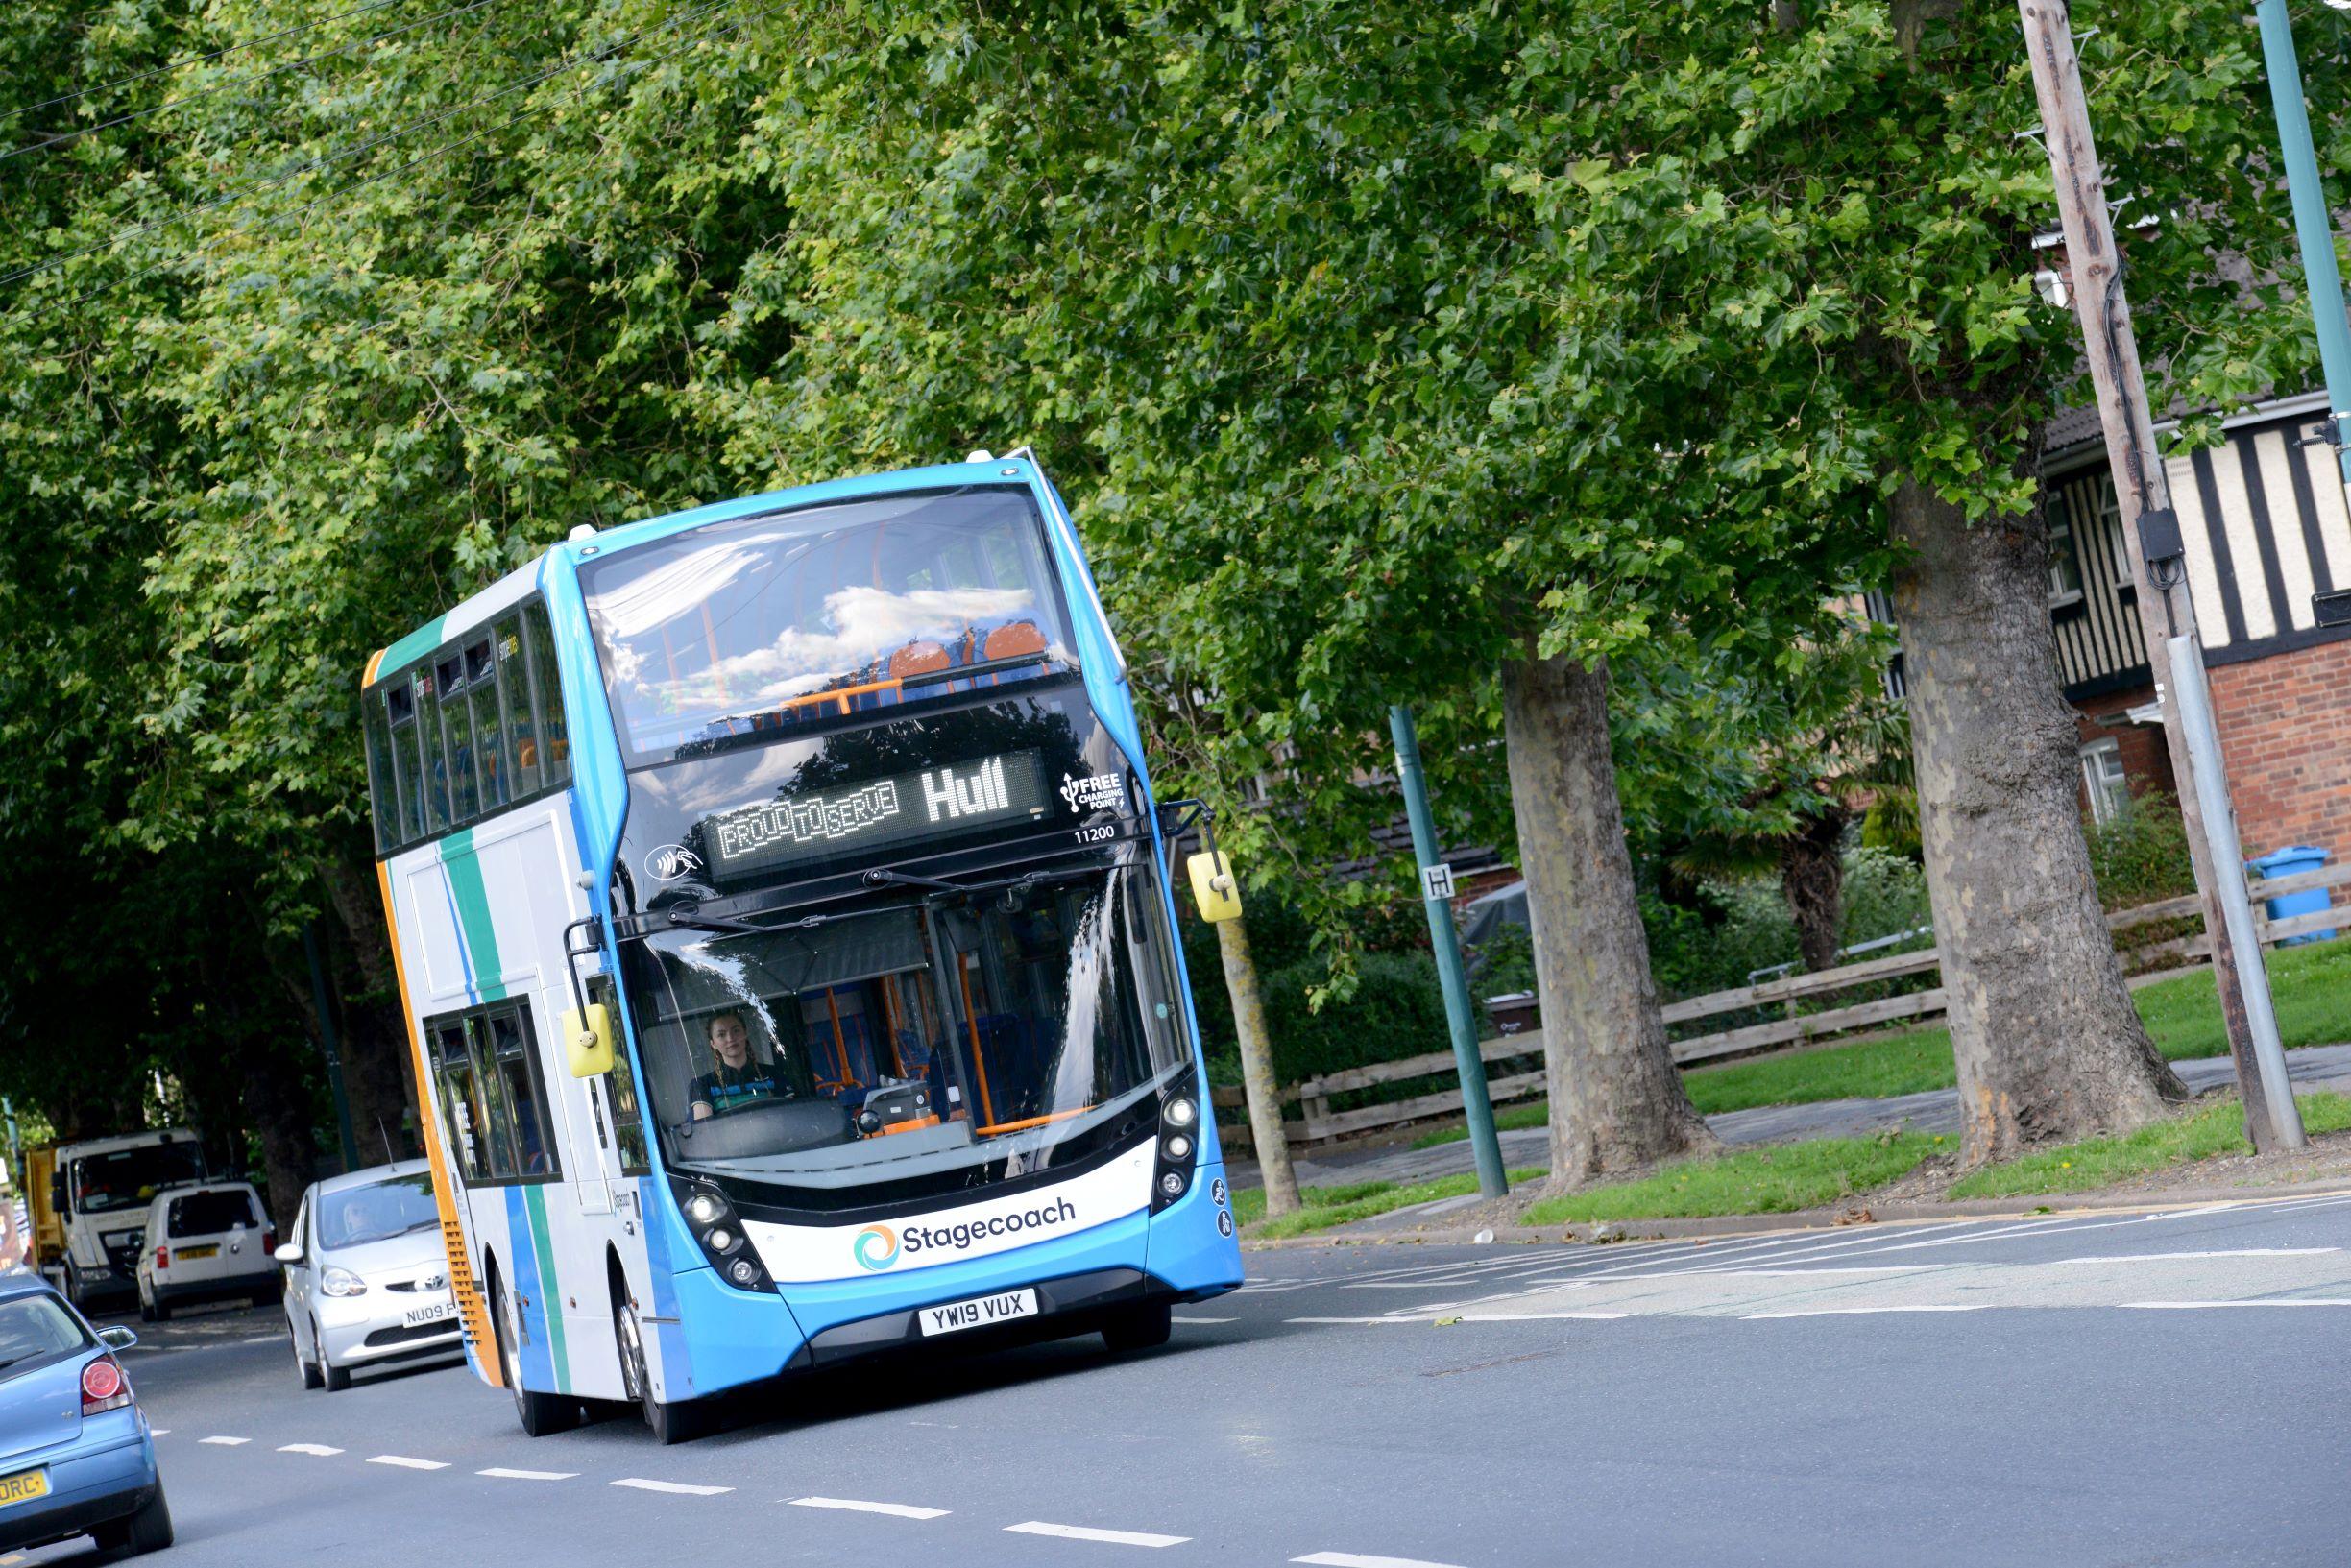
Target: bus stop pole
[
  {"x": 1437, "y": 898},
  {"x": 329, "y": 1045}
]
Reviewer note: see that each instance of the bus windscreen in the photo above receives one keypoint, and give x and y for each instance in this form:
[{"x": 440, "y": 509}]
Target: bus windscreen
[
  {"x": 772, "y": 623},
  {"x": 918, "y": 1035}
]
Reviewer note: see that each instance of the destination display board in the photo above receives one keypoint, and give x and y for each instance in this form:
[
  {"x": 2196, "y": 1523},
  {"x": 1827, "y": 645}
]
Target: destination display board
[{"x": 906, "y": 809}]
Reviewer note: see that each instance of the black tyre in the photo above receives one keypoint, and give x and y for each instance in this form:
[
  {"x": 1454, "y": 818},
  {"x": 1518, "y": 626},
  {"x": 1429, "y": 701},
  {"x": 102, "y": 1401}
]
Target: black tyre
[
  {"x": 1140, "y": 1327},
  {"x": 669, "y": 1422},
  {"x": 150, "y": 1529},
  {"x": 163, "y": 1311},
  {"x": 540, "y": 1414},
  {"x": 73, "y": 1286},
  {"x": 146, "y": 1311},
  {"x": 311, "y": 1376}
]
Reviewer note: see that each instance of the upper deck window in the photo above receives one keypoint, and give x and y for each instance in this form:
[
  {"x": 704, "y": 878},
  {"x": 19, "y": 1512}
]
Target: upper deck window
[{"x": 790, "y": 618}]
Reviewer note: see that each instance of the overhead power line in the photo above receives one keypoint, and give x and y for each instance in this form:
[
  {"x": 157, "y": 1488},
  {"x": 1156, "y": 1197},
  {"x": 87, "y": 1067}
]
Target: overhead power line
[
  {"x": 62, "y": 137},
  {"x": 328, "y": 160},
  {"x": 199, "y": 59},
  {"x": 424, "y": 158}
]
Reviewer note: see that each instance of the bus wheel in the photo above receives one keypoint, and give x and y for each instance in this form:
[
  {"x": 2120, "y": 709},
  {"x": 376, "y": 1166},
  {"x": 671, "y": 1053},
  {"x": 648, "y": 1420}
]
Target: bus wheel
[
  {"x": 671, "y": 1422},
  {"x": 539, "y": 1414},
  {"x": 1143, "y": 1326}
]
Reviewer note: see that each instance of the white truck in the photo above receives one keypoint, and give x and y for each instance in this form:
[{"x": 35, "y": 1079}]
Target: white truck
[{"x": 99, "y": 1190}]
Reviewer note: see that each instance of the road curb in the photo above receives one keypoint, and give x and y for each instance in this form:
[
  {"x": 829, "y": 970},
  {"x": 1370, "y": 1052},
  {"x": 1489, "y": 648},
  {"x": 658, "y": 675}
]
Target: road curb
[{"x": 1844, "y": 1216}]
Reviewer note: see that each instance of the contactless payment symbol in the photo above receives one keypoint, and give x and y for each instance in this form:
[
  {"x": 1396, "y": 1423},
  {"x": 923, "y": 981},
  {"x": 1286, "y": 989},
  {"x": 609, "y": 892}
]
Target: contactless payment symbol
[{"x": 876, "y": 1247}]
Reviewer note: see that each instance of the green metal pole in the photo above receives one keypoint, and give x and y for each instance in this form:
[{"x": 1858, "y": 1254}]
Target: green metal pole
[
  {"x": 1437, "y": 898},
  {"x": 333, "y": 1047},
  {"x": 2313, "y": 230}
]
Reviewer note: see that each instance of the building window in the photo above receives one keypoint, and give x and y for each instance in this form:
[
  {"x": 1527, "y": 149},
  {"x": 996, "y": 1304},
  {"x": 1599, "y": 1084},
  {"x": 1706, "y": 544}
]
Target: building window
[
  {"x": 2065, "y": 584},
  {"x": 2103, "y": 783}
]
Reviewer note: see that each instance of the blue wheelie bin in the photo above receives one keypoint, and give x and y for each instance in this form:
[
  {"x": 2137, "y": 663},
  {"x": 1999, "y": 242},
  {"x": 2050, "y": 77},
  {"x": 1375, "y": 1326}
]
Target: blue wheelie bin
[{"x": 2286, "y": 862}]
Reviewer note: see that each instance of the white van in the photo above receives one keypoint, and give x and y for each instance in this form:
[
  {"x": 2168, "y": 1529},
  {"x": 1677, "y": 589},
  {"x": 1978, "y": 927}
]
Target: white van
[{"x": 204, "y": 1243}]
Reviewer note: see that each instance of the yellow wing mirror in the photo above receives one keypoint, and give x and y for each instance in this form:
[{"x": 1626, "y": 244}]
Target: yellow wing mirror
[
  {"x": 587, "y": 1041},
  {"x": 1214, "y": 887}
]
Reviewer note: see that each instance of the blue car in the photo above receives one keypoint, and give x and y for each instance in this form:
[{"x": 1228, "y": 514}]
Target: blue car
[{"x": 76, "y": 1457}]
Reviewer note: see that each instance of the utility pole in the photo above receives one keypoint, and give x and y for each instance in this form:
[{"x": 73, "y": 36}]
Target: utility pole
[
  {"x": 2176, "y": 651},
  {"x": 1437, "y": 898}
]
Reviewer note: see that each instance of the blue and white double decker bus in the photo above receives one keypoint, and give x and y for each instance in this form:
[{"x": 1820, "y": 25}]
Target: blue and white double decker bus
[{"x": 783, "y": 919}]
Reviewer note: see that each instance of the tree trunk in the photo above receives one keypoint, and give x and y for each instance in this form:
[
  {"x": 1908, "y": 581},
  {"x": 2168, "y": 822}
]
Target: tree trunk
[
  {"x": 1616, "y": 1098},
  {"x": 379, "y": 1067},
  {"x": 1257, "y": 1080},
  {"x": 2048, "y": 1044},
  {"x": 1813, "y": 880}
]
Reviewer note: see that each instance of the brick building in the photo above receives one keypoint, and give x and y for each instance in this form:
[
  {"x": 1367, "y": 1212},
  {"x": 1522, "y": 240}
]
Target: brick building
[{"x": 2266, "y": 526}]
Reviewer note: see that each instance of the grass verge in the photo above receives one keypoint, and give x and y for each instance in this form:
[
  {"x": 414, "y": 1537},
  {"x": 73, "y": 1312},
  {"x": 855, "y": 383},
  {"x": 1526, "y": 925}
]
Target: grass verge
[
  {"x": 2312, "y": 985},
  {"x": 1773, "y": 1180},
  {"x": 2218, "y": 1128},
  {"x": 1328, "y": 1206}
]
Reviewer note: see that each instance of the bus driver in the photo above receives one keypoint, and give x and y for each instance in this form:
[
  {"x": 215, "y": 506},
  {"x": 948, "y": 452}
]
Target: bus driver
[{"x": 735, "y": 1079}]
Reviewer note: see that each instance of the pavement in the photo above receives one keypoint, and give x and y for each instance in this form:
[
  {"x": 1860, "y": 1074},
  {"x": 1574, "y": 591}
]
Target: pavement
[
  {"x": 1936, "y": 1110},
  {"x": 2086, "y": 1389}
]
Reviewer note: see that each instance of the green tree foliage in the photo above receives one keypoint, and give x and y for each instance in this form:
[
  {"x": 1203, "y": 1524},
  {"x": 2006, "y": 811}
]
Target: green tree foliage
[{"x": 1377, "y": 344}]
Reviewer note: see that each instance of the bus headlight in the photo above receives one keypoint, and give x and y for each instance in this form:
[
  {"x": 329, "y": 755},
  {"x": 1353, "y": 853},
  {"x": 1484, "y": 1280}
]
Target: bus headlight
[
  {"x": 721, "y": 1236},
  {"x": 1179, "y": 1116}
]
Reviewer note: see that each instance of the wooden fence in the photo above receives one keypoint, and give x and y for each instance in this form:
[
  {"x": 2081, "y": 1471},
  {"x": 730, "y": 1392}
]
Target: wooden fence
[{"x": 1322, "y": 1122}]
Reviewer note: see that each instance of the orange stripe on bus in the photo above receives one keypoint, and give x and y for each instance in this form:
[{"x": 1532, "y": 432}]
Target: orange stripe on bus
[{"x": 469, "y": 1304}]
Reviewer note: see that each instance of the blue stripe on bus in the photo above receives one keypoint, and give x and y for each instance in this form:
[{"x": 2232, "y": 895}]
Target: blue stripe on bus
[{"x": 522, "y": 1279}]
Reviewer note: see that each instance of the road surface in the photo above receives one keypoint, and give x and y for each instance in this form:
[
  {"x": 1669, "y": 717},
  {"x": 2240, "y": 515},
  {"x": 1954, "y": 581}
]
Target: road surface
[{"x": 2088, "y": 1389}]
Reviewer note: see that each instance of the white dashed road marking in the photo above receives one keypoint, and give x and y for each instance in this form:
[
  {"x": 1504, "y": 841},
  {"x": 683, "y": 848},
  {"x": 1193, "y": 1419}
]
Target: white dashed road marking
[
  {"x": 1872, "y": 1311},
  {"x": 501, "y": 1474},
  {"x": 1108, "y": 1538},
  {"x": 899, "y": 1510},
  {"x": 1356, "y": 1559},
  {"x": 678, "y": 1486},
  {"x": 2191, "y": 1306},
  {"x": 402, "y": 1462},
  {"x": 228, "y": 1442},
  {"x": 320, "y": 1449},
  {"x": 1174, "y": 1319}
]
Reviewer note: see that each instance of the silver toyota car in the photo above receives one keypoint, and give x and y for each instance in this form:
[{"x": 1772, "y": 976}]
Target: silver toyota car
[{"x": 367, "y": 1281}]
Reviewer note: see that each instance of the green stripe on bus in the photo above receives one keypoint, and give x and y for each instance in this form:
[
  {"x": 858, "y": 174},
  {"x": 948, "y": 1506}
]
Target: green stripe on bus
[
  {"x": 550, "y": 1290},
  {"x": 475, "y": 926},
  {"x": 412, "y": 647}
]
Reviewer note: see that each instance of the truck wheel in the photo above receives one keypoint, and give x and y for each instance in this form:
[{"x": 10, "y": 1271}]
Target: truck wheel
[{"x": 73, "y": 1286}]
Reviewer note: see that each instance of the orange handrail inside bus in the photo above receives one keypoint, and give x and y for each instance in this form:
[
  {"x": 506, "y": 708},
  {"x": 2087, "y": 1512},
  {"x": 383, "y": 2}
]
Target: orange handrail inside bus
[
  {"x": 1032, "y": 1122},
  {"x": 971, "y": 1021}
]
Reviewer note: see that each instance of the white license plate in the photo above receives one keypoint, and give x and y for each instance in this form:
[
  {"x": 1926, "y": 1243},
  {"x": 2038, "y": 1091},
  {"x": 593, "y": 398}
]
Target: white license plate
[
  {"x": 434, "y": 1313},
  {"x": 980, "y": 1312}
]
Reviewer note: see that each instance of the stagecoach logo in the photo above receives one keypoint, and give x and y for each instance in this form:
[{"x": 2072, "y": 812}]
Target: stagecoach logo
[
  {"x": 671, "y": 862},
  {"x": 1098, "y": 792},
  {"x": 876, "y": 1247}
]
